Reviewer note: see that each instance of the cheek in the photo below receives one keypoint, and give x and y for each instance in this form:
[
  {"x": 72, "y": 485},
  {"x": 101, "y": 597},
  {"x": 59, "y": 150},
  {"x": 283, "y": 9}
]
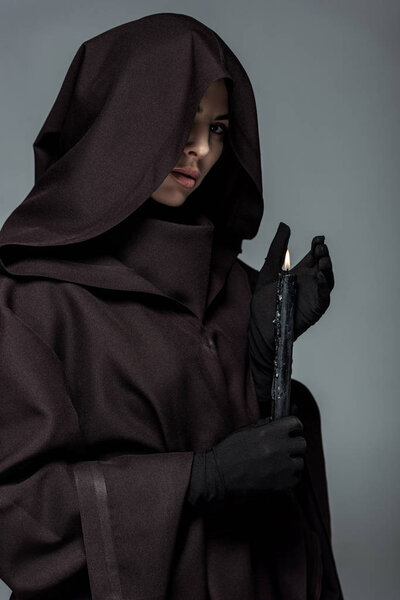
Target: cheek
[
  {"x": 215, "y": 153},
  {"x": 212, "y": 157},
  {"x": 167, "y": 188}
]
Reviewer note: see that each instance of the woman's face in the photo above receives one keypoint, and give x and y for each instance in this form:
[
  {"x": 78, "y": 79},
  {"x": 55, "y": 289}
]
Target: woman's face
[{"x": 203, "y": 148}]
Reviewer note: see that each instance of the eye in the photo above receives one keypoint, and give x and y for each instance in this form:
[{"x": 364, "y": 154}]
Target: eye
[{"x": 222, "y": 126}]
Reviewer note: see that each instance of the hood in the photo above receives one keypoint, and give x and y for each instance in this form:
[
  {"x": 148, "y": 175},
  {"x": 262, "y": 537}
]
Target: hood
[{"x": 118, "y": 126}]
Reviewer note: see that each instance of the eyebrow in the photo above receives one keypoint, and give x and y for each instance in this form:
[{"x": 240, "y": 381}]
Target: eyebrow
[{"x": 220, "y": 117}]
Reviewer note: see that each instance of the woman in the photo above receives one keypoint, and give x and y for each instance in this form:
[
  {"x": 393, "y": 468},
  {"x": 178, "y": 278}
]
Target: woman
[{"x": 135, "y": 460}]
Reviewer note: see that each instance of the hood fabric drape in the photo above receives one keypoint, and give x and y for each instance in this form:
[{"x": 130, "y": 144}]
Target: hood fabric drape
[{"x": 124, "y": 344}]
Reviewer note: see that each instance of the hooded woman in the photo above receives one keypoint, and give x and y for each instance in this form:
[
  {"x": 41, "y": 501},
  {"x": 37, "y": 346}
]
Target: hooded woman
[{"x": 135, "y": 460}]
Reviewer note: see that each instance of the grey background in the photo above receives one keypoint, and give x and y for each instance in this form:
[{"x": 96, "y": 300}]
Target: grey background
[{"x": 327, "y": 86}]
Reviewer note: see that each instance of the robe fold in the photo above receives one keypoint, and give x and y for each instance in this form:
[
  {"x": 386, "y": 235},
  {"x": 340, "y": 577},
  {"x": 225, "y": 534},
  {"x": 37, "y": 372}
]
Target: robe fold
[{"x": 124, "y": 345}]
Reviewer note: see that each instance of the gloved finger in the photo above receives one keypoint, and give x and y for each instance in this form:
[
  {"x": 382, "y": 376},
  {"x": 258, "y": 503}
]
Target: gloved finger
[
  {"x": 309, "y": 260},
  {"x": 276, "y": 254},
  {"x": 299, "y": 462},
  {"x": 325, "y": 265},
  {"x": 321, "y": 250},
  {"x": 323, "y": 287},
  {"x": 318, "y": 239},
  {"x": 297, "y": 446},
  {"x": 318, "y": 249},
  {"x": 262, "y": 422},
  {"x": 294, "y": 423}
]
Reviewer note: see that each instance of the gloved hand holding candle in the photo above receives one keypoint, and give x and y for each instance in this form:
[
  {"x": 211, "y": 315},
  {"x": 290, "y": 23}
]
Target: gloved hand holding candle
[
  {"x": 261, "y": 458},
  {"x": 315, "y": 281},
  {"x": 267, "y": 456}
]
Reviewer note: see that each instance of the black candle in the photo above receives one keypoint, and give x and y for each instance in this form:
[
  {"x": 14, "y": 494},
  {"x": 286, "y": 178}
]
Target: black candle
[{"x": 284, "y": 331}]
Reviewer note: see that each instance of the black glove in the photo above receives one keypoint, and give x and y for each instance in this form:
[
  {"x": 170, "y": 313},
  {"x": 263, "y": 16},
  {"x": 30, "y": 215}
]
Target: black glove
[
  {"x": 256, "y": 459},
  {"x": 315, "y": 281}
]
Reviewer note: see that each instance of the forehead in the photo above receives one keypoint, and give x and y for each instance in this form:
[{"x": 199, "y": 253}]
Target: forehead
[{"x": 215, "y": 97}]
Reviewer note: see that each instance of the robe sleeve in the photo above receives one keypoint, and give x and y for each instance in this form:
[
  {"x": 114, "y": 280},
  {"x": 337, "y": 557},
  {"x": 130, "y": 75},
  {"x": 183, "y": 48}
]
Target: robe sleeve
[
  {"x": 74, "y": 527},
  {"x": 312, "y": 492}
]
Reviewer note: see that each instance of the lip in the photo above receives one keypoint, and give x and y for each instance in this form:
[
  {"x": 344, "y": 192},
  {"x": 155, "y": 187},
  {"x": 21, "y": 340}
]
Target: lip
[
  {"x": 188, "y": 171},
  {"x": 184, "y": 180}
]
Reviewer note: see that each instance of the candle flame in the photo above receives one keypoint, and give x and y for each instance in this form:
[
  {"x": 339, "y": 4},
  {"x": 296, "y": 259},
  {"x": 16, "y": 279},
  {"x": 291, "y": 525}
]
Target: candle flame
[{"x": 287, "y": 260}]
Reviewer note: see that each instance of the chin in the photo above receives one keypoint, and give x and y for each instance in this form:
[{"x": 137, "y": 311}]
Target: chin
[{"x": 169, "y": 199}]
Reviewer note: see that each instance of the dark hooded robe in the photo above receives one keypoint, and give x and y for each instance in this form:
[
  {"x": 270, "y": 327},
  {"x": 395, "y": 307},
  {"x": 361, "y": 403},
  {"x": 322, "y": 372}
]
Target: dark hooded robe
[{"x": 124, "y": 344}]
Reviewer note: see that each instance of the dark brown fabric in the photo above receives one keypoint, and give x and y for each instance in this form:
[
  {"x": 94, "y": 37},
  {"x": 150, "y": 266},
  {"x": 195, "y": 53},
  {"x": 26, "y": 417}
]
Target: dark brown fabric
[{"x": 117, "y": 365}]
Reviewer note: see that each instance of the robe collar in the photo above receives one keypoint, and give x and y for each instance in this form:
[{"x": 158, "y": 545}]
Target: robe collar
[
  {"x": 174, "y": 257},
  {"x": 183, "y": 259}
]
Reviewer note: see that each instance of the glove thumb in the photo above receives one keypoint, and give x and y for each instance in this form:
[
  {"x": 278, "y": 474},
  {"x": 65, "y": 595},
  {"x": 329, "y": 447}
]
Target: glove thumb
[{"x": 275, "y": 257}]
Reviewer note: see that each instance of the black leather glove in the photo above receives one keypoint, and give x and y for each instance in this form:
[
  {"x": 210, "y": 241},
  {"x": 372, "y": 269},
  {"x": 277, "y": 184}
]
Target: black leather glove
[
  {"x": 315, "y": 281},
  {"x": 256, "y": 459}
]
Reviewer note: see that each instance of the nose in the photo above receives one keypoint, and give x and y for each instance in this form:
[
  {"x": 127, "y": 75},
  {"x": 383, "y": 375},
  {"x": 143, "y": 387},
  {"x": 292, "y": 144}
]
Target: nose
[{"x": 198, "y": 142}]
